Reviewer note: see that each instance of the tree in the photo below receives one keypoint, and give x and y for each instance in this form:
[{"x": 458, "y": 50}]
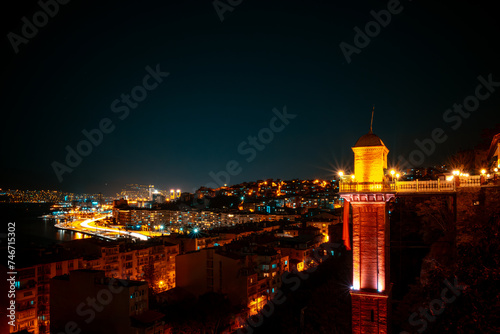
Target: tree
[{"x": 437, "y": 217}]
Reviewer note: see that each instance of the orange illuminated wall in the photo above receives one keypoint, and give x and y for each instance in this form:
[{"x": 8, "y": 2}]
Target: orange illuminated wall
[
  {"x": 369, "y": 163},
  {"x": 369, "y": 245}
]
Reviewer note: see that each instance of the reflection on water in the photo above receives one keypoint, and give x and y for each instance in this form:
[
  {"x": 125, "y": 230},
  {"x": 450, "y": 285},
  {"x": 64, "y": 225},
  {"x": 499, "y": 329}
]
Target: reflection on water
[
  {"x": 79, "y": 235},
  {"x": 32, "y": 230},
  {"x": 64, "y": 235}
]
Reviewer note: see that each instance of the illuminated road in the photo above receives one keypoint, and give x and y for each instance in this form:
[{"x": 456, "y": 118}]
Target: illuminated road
[
  {"x": 89, "y": 226},
  {"x": 86, "y": 224}
]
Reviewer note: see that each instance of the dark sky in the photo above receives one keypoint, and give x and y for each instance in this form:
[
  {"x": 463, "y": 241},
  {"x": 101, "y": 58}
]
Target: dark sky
[{"x": 225, "y": 80}]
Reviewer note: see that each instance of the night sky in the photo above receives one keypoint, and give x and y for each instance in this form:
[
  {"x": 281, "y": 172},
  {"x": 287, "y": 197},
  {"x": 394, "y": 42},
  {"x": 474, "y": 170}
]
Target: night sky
[{"x": 225, "y": 78}]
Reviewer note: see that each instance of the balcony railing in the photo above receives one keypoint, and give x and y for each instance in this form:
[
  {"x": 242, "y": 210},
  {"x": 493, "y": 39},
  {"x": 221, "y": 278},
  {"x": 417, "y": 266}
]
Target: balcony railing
[
  {"x": 366, "y": 186},
  {"x": 411, "y": 186}
]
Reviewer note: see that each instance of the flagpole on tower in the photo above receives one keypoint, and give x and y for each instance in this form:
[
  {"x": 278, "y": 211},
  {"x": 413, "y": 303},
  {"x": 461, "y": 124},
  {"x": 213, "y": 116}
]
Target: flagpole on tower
[{"x": 371, "y": 124}]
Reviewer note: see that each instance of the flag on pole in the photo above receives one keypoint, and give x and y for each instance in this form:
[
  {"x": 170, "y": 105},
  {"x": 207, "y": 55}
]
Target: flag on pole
[{"x": 345, "y": 232}]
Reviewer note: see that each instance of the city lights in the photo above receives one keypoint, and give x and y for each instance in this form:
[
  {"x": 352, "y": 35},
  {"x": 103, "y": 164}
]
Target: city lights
[{"x": 203, "y": 206}]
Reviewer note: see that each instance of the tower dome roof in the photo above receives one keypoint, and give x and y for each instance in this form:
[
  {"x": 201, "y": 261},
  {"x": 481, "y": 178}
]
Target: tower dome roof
[{"x": 370, "y": 139}]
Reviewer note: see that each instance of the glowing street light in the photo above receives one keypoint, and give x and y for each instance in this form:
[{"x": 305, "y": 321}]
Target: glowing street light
[
  {"x": 496, "y": 170},
  {"x": 341, "y": 173},
  {"x": 397, "y": 176},
  {"x": 353, "y": 177},
  {"x": 456, "y": 172},
  {"x": 483, "y": 171}
]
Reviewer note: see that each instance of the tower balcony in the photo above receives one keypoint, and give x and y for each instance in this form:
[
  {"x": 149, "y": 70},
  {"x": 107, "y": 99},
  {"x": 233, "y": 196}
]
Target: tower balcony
[
  {"x": 432, "y": 186},
  {"x": 350, "y": 187}
]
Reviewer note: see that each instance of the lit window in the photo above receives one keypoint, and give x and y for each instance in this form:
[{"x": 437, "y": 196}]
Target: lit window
[
  {"x": 274, "y": 266},
  {"x": 286, "y": 262}
]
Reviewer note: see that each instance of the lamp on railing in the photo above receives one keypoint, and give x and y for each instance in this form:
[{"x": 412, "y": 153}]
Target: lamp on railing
[{"x": 392, "y": 173}]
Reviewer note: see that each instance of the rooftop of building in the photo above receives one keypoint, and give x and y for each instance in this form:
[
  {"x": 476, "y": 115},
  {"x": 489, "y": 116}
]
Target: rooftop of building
[
  {"x": 145, "y": 319},
  {"x": 29, "y": 257},
  {"x": 99, "y": 278},
  {"x": 303, "y": 239},
  {"x": 370, "y": 139}
]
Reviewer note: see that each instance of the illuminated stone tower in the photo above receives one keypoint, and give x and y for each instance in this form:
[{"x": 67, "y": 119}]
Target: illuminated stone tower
[{"x": 368, "y": 195}]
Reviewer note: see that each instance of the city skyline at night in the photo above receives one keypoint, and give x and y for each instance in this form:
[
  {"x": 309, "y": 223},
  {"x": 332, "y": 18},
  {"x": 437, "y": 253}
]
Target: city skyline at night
[{"x": 239, "y": 167}]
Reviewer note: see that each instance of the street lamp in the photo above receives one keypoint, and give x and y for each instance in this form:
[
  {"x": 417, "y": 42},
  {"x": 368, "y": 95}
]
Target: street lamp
[
  {"x": 397, "y": 176},
  {"x": 353, "y": 177},
  {"x": 483, "y": 171},
  {"x": 392, "y": 173}
]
